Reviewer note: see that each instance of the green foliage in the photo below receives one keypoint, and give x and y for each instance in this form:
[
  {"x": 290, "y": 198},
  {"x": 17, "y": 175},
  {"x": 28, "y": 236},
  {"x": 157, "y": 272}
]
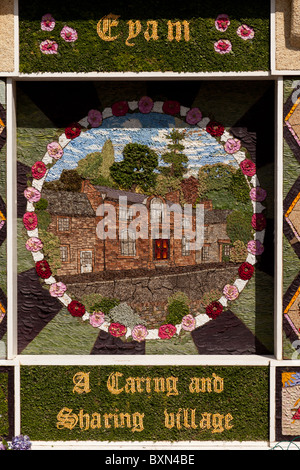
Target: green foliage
[
  {"x": 136, "y": 169},
  {"x": 90, "y": 166},
  {"x": 217, "y": 176},
  {"x": 41, "y": 205},
  {"x": 51, "y": 249},
  {"x": 166, "y": 184},
  {"x": 238, "y": 252},
  {"x": 176, "y": 161},
  {"x": 96, "y": 166},
  {"x": 239, "y": 226},
  {"x": 105, "y": 305},
  {"x": 177, "y": 309},
  {"x": 239, "y": 187},
  {"x": 69, "y": 180}
]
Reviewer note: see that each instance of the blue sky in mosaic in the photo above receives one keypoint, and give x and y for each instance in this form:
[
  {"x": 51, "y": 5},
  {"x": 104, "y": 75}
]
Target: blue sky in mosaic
[{"x": 148, "y": 129}]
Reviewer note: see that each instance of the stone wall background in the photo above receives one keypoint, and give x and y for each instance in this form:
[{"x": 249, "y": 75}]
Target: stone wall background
[{"x": 148, "y": 295}]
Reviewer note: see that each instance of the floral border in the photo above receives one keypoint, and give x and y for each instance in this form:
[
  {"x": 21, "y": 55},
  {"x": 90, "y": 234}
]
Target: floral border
[{"x": 192, "y": 116}]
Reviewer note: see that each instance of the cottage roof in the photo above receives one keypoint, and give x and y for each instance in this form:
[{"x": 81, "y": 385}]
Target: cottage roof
[
  {"x": 216, "y": 216},
  {"x": 68, "y": 203},
  {"x": 114, "y": 194}
]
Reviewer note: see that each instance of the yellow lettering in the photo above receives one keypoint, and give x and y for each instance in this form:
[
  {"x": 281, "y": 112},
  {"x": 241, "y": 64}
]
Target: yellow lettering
[
  {"x": 96, "y": 421},
  {"x": 228, "y": 418},
  {"x": 217, "y": 423},
  {"x": 153, "y": 35},
  {"x": 82, "y": 382},
  {"x": 113, "y": 384},
  {"x": 134, "y": 30},
  {"x": 65, "y": 419},
  {"x": 105, "y": 26},
  {"x": 178, "y": 30},
  {"x": 205, "y": 421}
]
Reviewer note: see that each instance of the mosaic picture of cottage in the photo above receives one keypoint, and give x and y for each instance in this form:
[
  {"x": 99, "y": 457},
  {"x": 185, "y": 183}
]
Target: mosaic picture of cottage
[{"x": 143, "y": 220}]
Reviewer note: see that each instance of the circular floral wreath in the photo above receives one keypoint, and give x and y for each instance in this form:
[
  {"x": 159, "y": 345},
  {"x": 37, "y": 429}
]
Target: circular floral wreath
[{"x": 192, "y": 116}]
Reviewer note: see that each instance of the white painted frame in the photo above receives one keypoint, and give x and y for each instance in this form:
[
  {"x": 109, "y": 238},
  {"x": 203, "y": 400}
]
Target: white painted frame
[{"x": 16, "y": 361}]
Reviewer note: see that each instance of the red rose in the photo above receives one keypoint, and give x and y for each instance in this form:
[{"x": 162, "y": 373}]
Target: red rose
[
  {"x": 171, "y": 107},
  {"x": 76, "y": 309},
  {"x": 214, "y": 309},
  {"x": 246, "y": 271},
  {"x": 258, "y": 222},
  {"x": 72, "y": 131},
  {"x": 166, "y": 331},
  {"x": 120, "y": 108},
  {"x": 30, "y": 220},
  {"x": 43, "y": 269},
  {"x": 248, "y": 167},
  {"x": 117, "y": 329},
  {"x": 38, "y": 170},
  {"x": 214, "y": 129}
]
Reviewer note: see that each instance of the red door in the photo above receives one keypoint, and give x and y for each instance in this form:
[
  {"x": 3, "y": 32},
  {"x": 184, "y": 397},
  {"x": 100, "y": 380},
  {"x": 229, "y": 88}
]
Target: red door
[{"x": 161, "y": 249}]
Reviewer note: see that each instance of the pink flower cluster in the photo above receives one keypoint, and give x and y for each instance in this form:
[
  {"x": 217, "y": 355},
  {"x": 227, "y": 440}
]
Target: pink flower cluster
[
  {"x": 224, "y": 46},
  {"x": 67, "y": 33}
]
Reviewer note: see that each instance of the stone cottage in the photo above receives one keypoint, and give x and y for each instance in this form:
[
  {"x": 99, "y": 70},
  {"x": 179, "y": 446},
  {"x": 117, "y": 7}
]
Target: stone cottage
[{"x": 106, "y": 229}]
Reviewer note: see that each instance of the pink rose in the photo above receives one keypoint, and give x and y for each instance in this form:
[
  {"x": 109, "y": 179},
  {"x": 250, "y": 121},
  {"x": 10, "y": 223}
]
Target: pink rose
[
  {"x": 49, "y": 47},
  {"x": 245, "y": 32},
  {"x": 255, "y": 247},
  {"x": 222, "y": 22},
  {"x": 48, "y": 22},
  {"x": 139, "y": 333},
  {"x": 230, "y": 292},
  {"x": 145, "y": 104},
  {"x": 38, "y": 170},
  {"x": 94, "y": 118},
  {"x": 193, "y": 116},
  {"x": 223, "y": 46},
  {"x": 248, "y": 167},
  {"x": 96, "y": 319},
  {"x": 166, "y": 331},
  {"x": 55, "y": 150},
  {"x": 30, "y": 220},
  {"x": 57, "y": 289},
  {"x": 188, "y": 322},
  {"x": 232, "y": 146},
  {"x": 32, "y": 194},
  {"x": 258, "y": 194},
  {"x": 69, "y": 34},
  {"x": 34, "y": 244}
]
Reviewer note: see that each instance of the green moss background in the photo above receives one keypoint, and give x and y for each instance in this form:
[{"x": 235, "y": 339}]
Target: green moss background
[
  {"x": 46, "y": 390},
  {"x": 90, "y": 53}
]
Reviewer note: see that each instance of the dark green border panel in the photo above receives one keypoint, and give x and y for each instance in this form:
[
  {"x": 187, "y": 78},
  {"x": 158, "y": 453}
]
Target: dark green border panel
[
  {"x": 145, "y": 403},
  {"x": 133, "y": 44}
]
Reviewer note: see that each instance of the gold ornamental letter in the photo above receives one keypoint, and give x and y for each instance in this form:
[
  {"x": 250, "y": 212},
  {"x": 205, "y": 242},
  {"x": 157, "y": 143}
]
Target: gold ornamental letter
[
  {"x": 82, "y": 382},
  {"x": 105, "y": 25},
  {"x": 66, "y": 419},
  {"x": 134, "y": 30},
  {"x": 178, "y": 30},
  {"x": 153, "y": 35}
]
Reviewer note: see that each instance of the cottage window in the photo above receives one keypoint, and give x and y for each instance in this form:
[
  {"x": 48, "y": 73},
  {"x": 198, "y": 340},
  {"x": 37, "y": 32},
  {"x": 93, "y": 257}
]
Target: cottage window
[
  {"x": 185, "y": 247},
  {"x": 161, "y": 249},
  {"x": 205, "y": 253},
  {"x": 63, "y": 224},
  {"x": 64, "y": 253},
  {"x": 156, "y": 211},
  {"x": 128, "y": 243},
  {"x": 226, "y": 250}
]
